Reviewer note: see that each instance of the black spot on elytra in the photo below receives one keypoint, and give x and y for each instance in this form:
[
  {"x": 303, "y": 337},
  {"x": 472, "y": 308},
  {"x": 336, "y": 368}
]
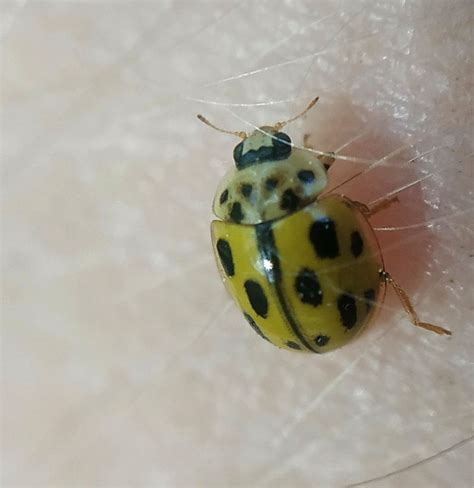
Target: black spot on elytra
[
  {"x": 271, "y": 184},
  {"x": 308, "y": 288},
  {"x": 225, "y": 255},
  {"x": 254, "y": 326},
  {"x": 369, "y": 296},
  {"x": 236, "y": 213},
  {"x": 324, "y": 238},
  {"x": 306, "y": 176},
  {"x": 224, "y": 196},
  {"x": 246, "y": 189},
  {"x": 289, "y": 201},
  {"x": 357, "y": 244},
  {"x": 347, "y": 310},
  {"x": 257, "y": 298},
  {"x": 321, "y": 340},
  {"x": 293, "y": 345}
]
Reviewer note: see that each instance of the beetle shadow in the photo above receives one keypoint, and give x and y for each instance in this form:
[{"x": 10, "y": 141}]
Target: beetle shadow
[{"x": 407, "y": 253}]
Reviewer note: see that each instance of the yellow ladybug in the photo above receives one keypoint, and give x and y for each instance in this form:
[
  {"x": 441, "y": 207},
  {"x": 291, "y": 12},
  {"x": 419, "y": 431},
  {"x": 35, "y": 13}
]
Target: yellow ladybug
[{"x": 306, "y": 270}]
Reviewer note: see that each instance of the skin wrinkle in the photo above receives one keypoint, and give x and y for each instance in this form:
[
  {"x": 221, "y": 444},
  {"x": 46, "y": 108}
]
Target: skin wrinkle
[
  {"x": 134, "y": 394},
  {"x": 286, "y": 40},
  {"x": 78, "y": 105},
  {"x": 302, "y": 82},
  {"x": 127, "y": 56},
  {"x": 411, "y": 466},
  {"x": 286, "y": 63},
  {"x": 296, "y": 60}
]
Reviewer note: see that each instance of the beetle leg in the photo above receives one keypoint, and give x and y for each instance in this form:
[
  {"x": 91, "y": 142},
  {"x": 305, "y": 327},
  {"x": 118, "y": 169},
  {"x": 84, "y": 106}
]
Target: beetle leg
[
  {"x": 326, "y": 159},
  {"x": 361, "y": 207},
  {"x": 409, "y": 309},
  {"x": 372, "y": 210}
]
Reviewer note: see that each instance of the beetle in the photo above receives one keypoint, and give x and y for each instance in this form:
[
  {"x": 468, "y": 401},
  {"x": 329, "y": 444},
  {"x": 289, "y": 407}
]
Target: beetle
[{"x": 305, "y": 268}]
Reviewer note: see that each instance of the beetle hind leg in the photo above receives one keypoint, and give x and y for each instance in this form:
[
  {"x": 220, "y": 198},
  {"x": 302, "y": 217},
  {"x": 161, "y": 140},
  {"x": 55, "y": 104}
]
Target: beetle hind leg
[
  {"x": 370, "y": 210},
  {"x": 408, "y": 306}
]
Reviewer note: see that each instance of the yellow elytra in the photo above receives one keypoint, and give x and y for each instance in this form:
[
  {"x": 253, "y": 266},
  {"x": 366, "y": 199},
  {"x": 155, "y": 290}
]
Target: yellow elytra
[{"x": 306, "y": 270}]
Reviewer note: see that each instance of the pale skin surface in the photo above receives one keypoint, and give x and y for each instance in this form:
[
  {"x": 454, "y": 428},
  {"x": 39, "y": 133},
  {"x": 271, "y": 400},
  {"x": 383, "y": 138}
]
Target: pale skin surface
[{"x": 124, "y": 362}]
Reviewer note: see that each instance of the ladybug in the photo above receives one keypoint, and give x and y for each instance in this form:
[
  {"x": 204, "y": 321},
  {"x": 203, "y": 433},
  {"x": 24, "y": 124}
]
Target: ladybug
[{"x": 305, "y": 269}]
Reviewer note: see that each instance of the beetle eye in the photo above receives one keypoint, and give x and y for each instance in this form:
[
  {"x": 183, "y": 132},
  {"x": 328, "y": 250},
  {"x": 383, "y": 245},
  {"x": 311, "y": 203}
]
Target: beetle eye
[
  {"x": 238, "y": 153},
  {"x": 281, "y": 145}
]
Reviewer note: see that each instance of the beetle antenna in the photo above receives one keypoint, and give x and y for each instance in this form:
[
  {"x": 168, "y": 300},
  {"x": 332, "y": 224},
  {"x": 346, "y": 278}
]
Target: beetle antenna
[
  {"x": 241, "y": 134},
  {"x": 280, "y": 125}
]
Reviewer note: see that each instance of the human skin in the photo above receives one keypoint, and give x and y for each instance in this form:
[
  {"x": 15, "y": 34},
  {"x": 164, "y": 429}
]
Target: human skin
[{"x": 124, "y": 361}]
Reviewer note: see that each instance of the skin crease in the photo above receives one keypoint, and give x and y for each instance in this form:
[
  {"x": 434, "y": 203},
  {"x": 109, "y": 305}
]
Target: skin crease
[{"x": 124, "y": 361}]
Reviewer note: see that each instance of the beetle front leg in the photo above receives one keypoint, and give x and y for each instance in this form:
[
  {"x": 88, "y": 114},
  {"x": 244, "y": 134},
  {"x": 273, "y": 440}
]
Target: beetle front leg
[{"x": 326, "y": 159}]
